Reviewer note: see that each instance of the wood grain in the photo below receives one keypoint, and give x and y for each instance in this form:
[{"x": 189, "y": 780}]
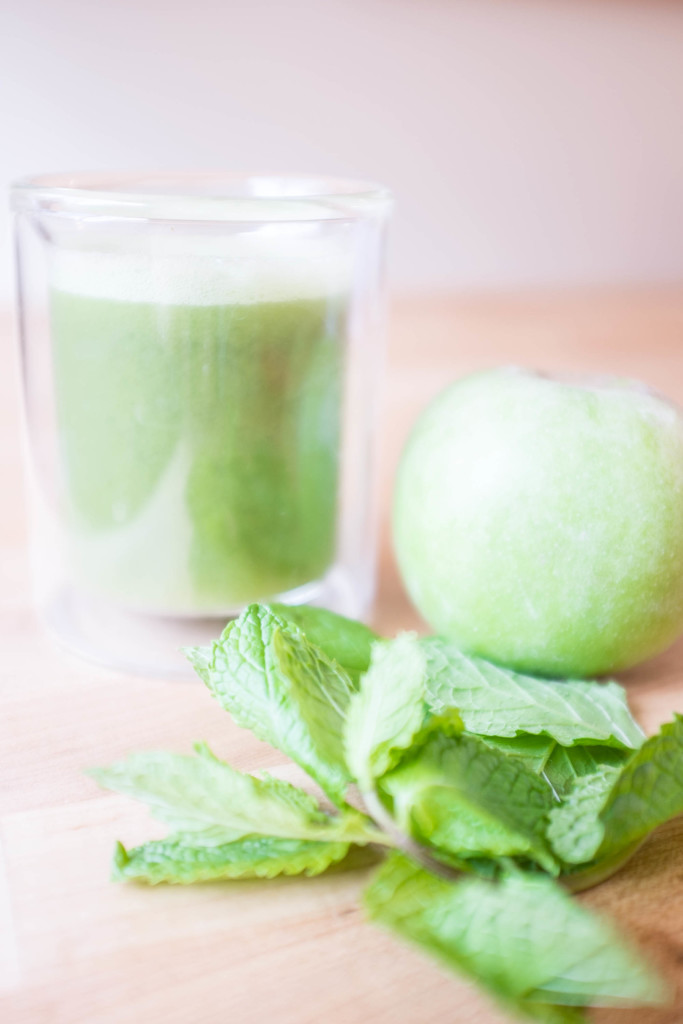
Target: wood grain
[{"x": 75, "y": 949}]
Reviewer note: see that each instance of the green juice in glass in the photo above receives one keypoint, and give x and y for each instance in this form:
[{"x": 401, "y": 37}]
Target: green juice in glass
[{"x": 199, "y": 440}]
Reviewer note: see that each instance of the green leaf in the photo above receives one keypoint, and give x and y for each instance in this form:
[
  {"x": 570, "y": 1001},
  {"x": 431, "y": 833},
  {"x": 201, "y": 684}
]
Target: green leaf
[
  {"x": 567, "y": 764},
  {"x": 276, "y": 683},
  {"x": 179, "y": 859},
  {"x": 345, "y": 641},
  {"x": 524, "y": 940},
  {"x": 200, "y": 658},
  {"x": 205, "y": 796},
  {"x": 603, "y": 827},
  {"x": 457, "y": 794},
  {"x": 575, "y": 831},
  {"x": 647, "y": 792},
  {"x": 534, "y": 751},
  {"x": 388, "y": 710},
  {"x": 495, "y": 701}
]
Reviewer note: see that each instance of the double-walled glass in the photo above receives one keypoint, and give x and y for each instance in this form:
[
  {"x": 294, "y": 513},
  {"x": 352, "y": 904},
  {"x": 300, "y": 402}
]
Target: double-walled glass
[{"x": 200, "y": 363}]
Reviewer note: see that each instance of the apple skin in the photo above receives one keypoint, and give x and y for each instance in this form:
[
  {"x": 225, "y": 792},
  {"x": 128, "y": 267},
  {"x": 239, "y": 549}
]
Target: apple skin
[{"x": 539, "y": 523}]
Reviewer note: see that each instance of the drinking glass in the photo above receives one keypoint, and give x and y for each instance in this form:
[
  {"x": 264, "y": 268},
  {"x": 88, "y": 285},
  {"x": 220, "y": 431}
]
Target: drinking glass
[{"x": 201, "y": 357}]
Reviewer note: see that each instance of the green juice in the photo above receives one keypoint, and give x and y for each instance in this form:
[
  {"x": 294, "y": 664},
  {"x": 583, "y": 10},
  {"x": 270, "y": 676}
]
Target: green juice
[{"x": 199, "y": 446}]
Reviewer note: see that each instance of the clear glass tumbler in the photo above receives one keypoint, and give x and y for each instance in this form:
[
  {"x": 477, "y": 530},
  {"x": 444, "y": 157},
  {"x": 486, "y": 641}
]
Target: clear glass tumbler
[{"x": 201, "y": 356}]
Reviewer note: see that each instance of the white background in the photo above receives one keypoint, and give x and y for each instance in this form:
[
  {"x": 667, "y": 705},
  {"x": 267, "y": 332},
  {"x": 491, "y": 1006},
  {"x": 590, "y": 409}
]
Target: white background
[{"x": 527, "y": 141}]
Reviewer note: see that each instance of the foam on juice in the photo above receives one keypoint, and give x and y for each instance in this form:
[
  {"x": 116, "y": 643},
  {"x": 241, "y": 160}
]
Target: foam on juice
[{"x": 269, "y": 264}]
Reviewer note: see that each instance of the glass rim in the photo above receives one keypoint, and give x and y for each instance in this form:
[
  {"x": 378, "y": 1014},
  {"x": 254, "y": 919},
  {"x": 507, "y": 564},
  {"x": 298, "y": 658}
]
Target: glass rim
[{"x": 201, "y": 195}]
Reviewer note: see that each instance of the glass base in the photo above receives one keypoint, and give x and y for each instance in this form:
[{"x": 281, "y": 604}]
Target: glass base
[{"x": 142, "y": 644}]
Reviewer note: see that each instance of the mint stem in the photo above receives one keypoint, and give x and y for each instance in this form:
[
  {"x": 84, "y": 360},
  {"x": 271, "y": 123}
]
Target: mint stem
[{"x": 416, "y": 851}]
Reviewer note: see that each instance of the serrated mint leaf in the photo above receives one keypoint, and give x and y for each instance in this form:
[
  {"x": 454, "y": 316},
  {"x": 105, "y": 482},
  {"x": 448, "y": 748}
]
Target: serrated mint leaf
[
  {"x": 179, "y": 859},
  {"x": 524, "y": 939},
  {"x": 575, "y": 831},
  {"x": 567, "y": 764},
  {"x": 534, "y": 751},
  {"x": 647, "y": 792},
  {"x": 276, "y": 683},
  {"x": 495, "y": 701},
  {"x": 457, "y": 794},
  {"x": 205, "y": 796},
  {"x": 200, "y": 658},
  {"x": 343, "y": 640},
  {"x": 388, "y": 710},
  {"x": 598, "y": 833}
]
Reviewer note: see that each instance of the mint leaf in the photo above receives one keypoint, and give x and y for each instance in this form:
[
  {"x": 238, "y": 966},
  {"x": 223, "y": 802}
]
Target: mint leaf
[
  {"x": 495, "y": 701},
  {"x": 200, "y": 658},
  {"x": 388, "y": 710},
  {"x": 181, "y": 860},
  {"x": 343, "y": 640},
  {"x": 647, "y": 792},
  {"x": 603, "y": 822},
  {"x": 205, "y": 796},
  {"x": 575, "y": 831},
  {"x": 567, "y": 764},
  {"x": 457, "y": 794},
  {"x": 523, "y": 939},
  {"x": 274, "y": 682},
  {"x": 534, "y": 751}
]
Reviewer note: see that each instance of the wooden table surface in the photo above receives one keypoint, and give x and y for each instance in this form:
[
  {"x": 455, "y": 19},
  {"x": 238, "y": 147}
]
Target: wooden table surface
[{"x": 76, "y": 949}]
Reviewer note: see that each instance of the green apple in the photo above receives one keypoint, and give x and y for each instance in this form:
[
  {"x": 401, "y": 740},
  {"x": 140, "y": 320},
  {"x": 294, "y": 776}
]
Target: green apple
[{"x": 539, "y": 522}]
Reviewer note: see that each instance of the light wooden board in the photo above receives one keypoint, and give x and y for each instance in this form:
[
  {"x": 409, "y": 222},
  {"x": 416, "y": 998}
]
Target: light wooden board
[{"x": 75, "y": 949}]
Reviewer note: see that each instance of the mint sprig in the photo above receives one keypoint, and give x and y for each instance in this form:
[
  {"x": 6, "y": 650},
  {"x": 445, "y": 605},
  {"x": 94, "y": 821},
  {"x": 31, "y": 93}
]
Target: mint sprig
[{"x": 502, "y": 792}]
